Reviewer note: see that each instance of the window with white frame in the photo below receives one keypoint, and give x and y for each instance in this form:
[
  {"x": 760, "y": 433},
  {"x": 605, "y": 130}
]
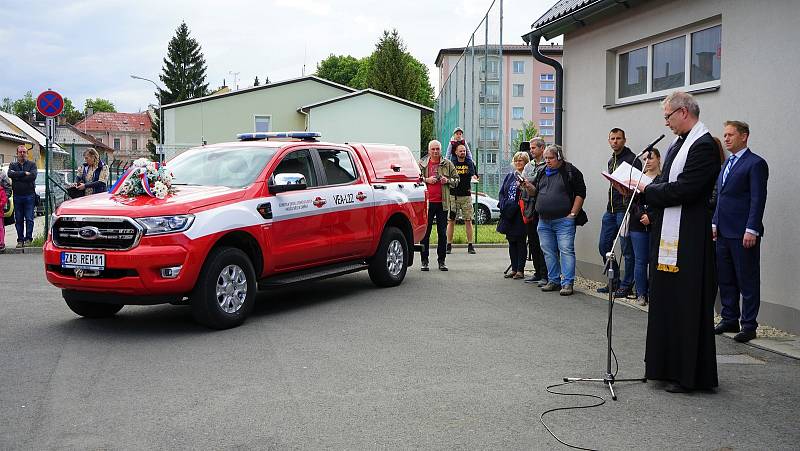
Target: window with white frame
[
  {"x": 517, "y": 112},
  {"x": 547, "y": 86},
  {"x": 547, "y": 108},
  {"x": 491, "y": 157},
  {"x": 514, "y": 133},
  {"x": 518, "y": 67},
  {"x": 547, "y": 99},
  {"x": 116, "y": 144},
  {"x": 518, "y": 90},
  {"x": 686, "y": 60},
  {"x": 545, "y": 122},
  {"x": 134, "y": 144},
  {"x": 546, "y": 132},
  {"x": 547, "y": 77},
  {"x": 262, "y": 123}
]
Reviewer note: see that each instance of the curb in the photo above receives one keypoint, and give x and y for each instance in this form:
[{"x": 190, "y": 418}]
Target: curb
[
  {"x": 765, "y": 344},
  {"x": 24, "y": 250}
]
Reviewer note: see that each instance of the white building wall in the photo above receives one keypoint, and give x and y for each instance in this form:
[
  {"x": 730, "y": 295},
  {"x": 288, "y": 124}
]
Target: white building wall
[
  {"x": 368, "y": 118},
  {"x": 758, "y": 85}
]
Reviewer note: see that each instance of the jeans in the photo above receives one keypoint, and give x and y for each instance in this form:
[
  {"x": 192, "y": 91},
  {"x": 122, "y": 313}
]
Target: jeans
[
  {"x": 610, "y": 226},
  {"x": 437, "y": 214},
  {"x": 641, "y": 253},
  {"x": 517, "y": 252},
  {"x": 557, "y": 237},
  {"x": 23, "y": 215}
]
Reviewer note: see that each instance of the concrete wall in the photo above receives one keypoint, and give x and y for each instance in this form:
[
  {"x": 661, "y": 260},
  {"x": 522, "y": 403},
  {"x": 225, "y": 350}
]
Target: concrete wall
[
  {"x": 759, "y": 60},
  {"x": 368, "y": 118},
  {"x": 221, "y": 119}
]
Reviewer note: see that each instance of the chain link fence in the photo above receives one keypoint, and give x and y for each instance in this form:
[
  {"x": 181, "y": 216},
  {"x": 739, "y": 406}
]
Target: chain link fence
[{"x": 470, "y": 97}]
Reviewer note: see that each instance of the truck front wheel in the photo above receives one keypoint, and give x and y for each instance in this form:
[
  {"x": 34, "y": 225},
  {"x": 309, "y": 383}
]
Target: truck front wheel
[
  {"x": 387, "y": 268},
  {"x": 226, "y": 289},
  {"x": 89, "y": 309}
]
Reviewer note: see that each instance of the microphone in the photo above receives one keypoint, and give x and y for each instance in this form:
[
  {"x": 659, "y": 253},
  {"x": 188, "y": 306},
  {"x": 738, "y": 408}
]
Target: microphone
[{"x": 649, "y": 148}]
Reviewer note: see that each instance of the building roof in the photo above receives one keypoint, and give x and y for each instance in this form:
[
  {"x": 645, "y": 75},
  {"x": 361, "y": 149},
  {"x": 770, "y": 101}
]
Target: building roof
[
  {"x": 10, "y": 134},
  {"x": 422, "y": 108},
  {"x": 508, "y": 49},
  {"x": 67, "y": 134},
  {"x": 116, "y": 122},
  {"x": 257, "y": 88},
  {"x": 567, "y": 15},
  {"x": 29, "y": 130}
]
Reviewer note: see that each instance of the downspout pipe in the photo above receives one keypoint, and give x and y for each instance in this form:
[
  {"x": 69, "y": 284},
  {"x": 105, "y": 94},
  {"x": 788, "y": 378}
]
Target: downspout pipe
[{"x": 533, "y": 39}]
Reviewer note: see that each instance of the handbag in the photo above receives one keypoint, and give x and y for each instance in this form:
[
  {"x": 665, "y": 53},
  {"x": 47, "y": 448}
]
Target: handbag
[
  {"x": 522, "y": 211},
  {"x": 8, "y": 208}
]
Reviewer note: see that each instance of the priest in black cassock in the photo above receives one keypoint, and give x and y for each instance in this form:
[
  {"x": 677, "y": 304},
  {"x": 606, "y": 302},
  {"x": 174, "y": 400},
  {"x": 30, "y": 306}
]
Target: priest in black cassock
[{"x": 680, "y": 330}]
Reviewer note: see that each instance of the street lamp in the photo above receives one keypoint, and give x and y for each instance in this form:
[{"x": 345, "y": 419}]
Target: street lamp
[{"x": 160, "y": 115}]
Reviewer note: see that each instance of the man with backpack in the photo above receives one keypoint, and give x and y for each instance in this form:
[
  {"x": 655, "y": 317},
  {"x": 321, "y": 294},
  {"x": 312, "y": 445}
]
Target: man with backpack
[{"x": 560, "y": 192}]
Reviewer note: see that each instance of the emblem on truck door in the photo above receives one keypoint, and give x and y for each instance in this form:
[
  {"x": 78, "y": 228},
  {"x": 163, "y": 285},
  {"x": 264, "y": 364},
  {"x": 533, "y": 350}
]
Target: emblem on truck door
[
  {"x": 361, "y": 196},
  {"x": 319, "y": 202}
]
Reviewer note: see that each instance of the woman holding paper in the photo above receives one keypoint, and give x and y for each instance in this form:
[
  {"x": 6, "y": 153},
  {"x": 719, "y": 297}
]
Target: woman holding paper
[{"x": 639, "y": 230}]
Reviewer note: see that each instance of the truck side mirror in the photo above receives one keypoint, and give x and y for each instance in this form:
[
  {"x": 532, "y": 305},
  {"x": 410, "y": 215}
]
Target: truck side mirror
[{"x": 287, "y": 181}]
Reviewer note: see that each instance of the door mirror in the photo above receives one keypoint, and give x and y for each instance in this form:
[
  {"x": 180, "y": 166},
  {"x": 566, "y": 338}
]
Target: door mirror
[{"x": 287, "y": 181}]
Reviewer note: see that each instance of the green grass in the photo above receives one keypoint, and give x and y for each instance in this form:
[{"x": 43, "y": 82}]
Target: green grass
[{"x": 486, "y": 234}]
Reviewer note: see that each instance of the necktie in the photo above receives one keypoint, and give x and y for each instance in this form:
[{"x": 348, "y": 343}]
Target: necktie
[{"x": 728, "y": 167}]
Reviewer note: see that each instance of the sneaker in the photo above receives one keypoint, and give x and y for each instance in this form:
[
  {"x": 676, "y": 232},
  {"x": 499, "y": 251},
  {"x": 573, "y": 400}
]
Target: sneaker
[
  {"x": 641, "y": 301},
  {"x": 566, "y": 290},
  {"x": 28, "y": 243},
  {"x": 20, "y": 244},
  {"x": 424, "y": 266},
  {"x": 442, "y": 267},
  {"x": 470, "y": 248},
  {"x": 623, "y": 292},
  {"x": 449, "y": 248},
  {"x": 532, "y": 279},
  {"x": 542, "y": 283},
  {"x": 603, "y": 290},
  {"x": 551, "y": 286}
]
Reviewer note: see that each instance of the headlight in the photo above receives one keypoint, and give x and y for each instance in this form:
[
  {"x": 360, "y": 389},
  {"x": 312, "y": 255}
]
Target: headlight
[{"x": 157, "y": 225}]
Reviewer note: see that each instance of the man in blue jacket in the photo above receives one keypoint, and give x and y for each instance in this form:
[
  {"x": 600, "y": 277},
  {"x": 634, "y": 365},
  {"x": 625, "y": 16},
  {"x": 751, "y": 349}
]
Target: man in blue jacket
[
  {"x": 737, "y": 226},
  {"x": 23, "y": 177}
]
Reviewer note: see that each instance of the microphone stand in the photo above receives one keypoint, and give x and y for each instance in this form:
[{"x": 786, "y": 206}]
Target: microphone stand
[{"x": 611, "y": 267}]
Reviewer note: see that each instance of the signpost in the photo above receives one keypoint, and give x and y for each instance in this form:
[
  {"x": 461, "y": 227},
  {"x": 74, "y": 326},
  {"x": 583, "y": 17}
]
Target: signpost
[{"x": 49, "y": 104}]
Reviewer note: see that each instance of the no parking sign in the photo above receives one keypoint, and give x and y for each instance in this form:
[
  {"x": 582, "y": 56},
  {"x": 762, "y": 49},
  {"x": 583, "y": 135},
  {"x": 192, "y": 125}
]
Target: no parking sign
[{"x": 50, "y": 103}]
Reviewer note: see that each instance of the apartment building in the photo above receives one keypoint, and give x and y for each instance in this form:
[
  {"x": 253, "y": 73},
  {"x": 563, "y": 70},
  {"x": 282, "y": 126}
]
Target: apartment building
[{"x": 497, "y": 94}]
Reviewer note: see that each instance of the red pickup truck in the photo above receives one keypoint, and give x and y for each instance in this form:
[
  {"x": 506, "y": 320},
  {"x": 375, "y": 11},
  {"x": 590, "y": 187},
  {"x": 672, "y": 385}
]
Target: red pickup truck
[{"x": 246, "y": 215}]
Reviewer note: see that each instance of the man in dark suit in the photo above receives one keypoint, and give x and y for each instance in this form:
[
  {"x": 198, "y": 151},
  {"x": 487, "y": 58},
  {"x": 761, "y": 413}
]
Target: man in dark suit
[{"x": 738, "y": 228}]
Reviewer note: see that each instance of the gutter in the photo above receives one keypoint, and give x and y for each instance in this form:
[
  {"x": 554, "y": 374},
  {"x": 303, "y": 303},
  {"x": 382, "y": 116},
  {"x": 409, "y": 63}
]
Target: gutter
[{"x": 533, "y": 39}]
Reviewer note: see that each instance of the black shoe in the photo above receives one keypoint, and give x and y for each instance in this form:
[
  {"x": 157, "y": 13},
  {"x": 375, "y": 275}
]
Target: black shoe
[
  {"x": 449, "y": 248},
  {"x": 442, "y": 266},
  {"x": 677, "y": 388},
  {"x": 470, "y": 249},
  {"x": 722, "y": 328},
  {"x": 603, "y": 290},
  {"x": 745, "y": 336},
  {"x": 424, "y": 266},
  {"x": 623, "y": 292},
  {"x": 533, "y": 279}
]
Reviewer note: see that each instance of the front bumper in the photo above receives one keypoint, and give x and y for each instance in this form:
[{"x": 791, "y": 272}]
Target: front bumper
[{"x": 134, "y": 272}]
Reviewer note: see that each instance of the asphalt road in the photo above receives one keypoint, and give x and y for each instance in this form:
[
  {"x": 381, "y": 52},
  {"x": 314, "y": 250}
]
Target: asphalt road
[{"x": 456, "y": 360}]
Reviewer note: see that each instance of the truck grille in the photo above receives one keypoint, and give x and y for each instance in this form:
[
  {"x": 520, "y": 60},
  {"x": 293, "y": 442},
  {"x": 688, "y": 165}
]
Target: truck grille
[{"x": 96, "y": 232}]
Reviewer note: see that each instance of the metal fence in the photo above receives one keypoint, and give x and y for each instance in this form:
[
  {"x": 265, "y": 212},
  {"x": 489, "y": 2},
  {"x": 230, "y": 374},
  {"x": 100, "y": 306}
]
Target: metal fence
[{"x": 470, "y": 97}]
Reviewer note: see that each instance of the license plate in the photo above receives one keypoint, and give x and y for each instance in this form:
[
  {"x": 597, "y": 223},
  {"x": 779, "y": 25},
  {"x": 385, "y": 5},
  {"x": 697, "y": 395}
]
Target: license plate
[{"x": 80, "y": 260}]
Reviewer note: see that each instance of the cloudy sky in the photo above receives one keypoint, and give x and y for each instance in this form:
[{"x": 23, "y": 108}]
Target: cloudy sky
[{"x": 90, "y": 48}]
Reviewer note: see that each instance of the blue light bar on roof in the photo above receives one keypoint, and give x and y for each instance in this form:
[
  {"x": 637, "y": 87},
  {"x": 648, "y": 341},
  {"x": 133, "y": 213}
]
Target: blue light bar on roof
[{"x": 305, "y": 136}]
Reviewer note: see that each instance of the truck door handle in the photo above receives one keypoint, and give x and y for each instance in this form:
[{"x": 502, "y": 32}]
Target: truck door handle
[
  {"x": 265, "y": 210},
  {"x": 395, "y": 167},
  {"x": 418, "y": 184},
  {"x": 377, "y": 186}
]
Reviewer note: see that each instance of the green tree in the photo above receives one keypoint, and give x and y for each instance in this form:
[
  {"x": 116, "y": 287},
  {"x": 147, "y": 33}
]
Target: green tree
[
  {"x": 25, "y": 107},
  {"x": 99, "y": 105},
  {"x": 7, "y": 106},
  {"x": 526, "y": 133},
  {"x": 341, "y": 69},
  {"x": 391, "y": 70},
  {"x": 72, "y": 115},
  {"x": 184, "y": 70}
]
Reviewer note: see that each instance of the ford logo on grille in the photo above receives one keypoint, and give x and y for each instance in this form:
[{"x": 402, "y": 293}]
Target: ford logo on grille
[{"x": 89, "y": 233}]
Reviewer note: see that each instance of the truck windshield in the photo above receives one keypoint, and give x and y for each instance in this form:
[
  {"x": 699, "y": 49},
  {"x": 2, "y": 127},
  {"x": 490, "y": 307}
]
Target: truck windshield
[{"x": 235, "y": 167}]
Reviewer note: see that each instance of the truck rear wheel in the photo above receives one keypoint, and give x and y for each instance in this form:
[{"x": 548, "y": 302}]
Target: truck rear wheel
[
  {"x": 226, "y": 289},
  {"x": 387, "y": 268},
  {"x": 89, "y": 309}
]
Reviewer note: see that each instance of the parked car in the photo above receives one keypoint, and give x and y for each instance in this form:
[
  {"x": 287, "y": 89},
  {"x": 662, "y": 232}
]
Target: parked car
[
  {"x": 246, "y": 215},
  {"x": 486, "y": 210},
  {"x": 58, "y": 189}
]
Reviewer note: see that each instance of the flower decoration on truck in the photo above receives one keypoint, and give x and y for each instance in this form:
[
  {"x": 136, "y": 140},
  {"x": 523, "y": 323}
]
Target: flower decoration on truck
[{"x": 146, "y": 178}]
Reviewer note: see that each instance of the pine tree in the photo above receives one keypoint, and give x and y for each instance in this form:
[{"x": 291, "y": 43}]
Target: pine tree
[
  {"x": 184, "y": 70},
  {"x": 391, "y": 69}
]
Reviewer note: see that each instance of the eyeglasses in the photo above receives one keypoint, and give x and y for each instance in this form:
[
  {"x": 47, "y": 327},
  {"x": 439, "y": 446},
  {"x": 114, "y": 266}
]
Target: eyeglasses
[{"x": 667, "y": 116}]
